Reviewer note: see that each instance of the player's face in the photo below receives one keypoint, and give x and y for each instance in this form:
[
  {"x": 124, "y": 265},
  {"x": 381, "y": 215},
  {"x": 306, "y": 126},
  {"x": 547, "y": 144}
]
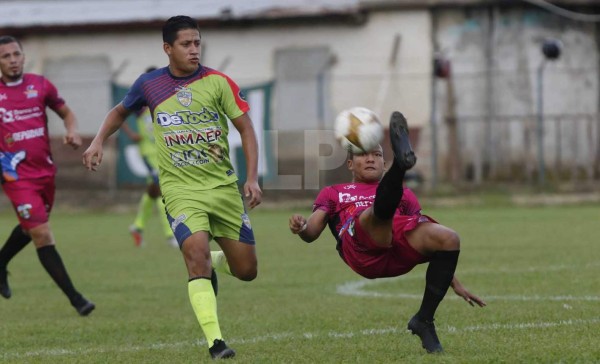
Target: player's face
[
  {"x": 184, "y": 54},
  {"x": 12, "y": 60},
  {"x": 367, "y": 167}
]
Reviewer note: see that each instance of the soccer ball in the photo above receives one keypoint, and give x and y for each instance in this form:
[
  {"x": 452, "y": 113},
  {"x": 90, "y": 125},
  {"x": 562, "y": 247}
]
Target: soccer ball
[{"x": 358, "y": 130}]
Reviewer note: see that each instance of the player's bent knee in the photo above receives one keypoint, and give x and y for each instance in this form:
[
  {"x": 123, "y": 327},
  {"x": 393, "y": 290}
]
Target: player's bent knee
[
  {"x": 246, "y": 274},
  {"x": 41, "y": 236},
  {"x": 451, "y": 241}
]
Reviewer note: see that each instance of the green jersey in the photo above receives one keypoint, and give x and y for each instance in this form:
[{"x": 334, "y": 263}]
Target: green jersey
[
  {"x": 190, "y": 125},
  {"x": 146, "y": 132}
]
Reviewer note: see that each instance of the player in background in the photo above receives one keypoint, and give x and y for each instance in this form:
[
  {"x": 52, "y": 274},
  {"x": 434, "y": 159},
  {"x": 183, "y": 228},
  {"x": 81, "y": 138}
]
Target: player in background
[
  {"x": 145, "y": 141},
  {"x": 27, "y": 168},
  {"x": 381, "y": 232},
  {"x": 190, "y": 104}
]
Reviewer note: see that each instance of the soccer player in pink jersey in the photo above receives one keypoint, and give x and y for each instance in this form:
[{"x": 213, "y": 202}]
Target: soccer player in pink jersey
[
  {"x": 27, "y": 168},
  {"x": 381, "y": 232}
]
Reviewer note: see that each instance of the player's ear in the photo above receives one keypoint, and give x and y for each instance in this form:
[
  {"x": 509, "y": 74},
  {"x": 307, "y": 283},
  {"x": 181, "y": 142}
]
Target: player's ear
[
  {"x": 349, "y": 164},
  {"x": 167, "y": 48}
]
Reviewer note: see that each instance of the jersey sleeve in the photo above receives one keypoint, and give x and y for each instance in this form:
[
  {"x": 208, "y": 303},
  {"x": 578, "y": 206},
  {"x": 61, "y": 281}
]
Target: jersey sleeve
[
  {"x": 325, "y": 202},
  {"x": 232, "y": 100},
  {"x": 410, "y": 204},
  {"x": 52, "y": 99},
  {"x": 134, "y": 100}
]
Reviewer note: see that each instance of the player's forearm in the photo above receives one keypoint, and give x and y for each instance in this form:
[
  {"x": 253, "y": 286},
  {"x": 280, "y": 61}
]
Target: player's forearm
[
  {"x": 250, "y": 146},
  {"x": 69, "y": 119},
  {"x": 309, "y": 235},
  {"x": 113, "y": 121},
  {"x": 70, "y": 123}
]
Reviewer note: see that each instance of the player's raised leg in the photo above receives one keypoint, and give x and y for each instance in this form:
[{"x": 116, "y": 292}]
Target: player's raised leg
[{"x": 378, "y": 221}]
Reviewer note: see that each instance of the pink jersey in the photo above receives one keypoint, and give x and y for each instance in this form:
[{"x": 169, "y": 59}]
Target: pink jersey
[
  {"x": 343, "y": 201},
  {"x": 24, "y": 142}
]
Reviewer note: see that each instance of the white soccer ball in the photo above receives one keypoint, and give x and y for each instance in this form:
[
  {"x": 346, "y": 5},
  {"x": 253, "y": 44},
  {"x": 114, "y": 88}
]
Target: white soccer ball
[{"x": 358, "y": 129}]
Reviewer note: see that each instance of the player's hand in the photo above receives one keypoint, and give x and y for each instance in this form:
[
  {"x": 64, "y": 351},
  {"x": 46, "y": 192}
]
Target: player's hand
[
  {"x": 92, "y": 157},
  {"x": 297, "y": 224},
  {"x": 471, "y": 299},
  {"x": 252, "y": 191},
  {"x": 73, "y": 139}
]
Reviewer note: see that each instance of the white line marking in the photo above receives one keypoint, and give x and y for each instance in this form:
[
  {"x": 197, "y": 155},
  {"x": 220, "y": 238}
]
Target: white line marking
[
  {"x": 296, "y": 336},
  {"x": 356, "y": 289}
]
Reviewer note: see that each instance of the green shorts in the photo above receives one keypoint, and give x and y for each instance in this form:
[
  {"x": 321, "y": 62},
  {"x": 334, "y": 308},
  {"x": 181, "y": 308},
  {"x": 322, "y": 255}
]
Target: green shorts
[{"x": 219, "y": 211}]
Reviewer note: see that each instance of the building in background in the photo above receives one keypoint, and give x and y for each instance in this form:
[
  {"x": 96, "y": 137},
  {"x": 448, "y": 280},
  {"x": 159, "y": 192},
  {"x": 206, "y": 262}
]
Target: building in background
[{"x": 474, "y": 124}]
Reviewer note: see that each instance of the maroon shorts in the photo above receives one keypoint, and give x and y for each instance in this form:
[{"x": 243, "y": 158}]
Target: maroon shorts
[
  {"x": 31, "y": 199},
  {"x": 371, "y": 261}
]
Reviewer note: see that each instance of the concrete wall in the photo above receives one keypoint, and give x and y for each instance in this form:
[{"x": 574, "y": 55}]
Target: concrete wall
[{"x": 495, "y": 56}]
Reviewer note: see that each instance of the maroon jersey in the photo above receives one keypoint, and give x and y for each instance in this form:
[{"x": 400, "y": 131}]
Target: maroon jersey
[
  {"x": 344, "y": 201},
  {"x": 24, "y": 142}
]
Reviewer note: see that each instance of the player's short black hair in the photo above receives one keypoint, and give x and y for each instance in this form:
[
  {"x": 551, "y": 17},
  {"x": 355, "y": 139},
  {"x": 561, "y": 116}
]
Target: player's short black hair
[
  {"x": 6, "y": 39},
  {"x": 175, "y": 24}
]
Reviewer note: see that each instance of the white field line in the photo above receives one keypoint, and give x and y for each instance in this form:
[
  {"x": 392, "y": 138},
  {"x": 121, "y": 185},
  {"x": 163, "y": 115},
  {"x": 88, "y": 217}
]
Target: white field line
[
  {"x": 84, "y": 352},
  {"x": 355, "y": 288}
]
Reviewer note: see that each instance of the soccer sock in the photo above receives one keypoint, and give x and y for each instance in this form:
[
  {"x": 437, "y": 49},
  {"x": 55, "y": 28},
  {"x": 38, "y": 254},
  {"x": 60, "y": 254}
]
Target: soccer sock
[
  {"x": 144, "y": 211},
  {"x": 204, "y": 303},
  {"x": 219, "y": 262},
  {"x": 389, "y": 193},
  {"x": 160, "y": 205},
  {"x": 53, "y": 264},
  {"x": 437, "y": 280},
  {"x": 14, "y": 244}
]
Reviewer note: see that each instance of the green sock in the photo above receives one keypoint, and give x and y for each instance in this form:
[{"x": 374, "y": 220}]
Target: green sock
[
  {"x": 219, "y": 262},
  {"x": 144, "y": 211},
  {"x": 204, "y": 303},
  {"x": 160, "y": 205}
]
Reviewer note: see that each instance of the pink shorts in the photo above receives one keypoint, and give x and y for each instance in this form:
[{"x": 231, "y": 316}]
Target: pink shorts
[
  {"x": 31, "y": 199},
  {"x": 372, "y": 261}
]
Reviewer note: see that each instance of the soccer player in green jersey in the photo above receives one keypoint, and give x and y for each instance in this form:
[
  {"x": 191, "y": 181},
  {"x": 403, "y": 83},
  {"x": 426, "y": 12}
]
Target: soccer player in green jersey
[
  {"x": 144, "y": 137},
  {"x": 190, "y": 105}
]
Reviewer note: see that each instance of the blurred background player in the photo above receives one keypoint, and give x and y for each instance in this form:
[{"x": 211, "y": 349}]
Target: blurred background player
[
  {"x": 145, "y": 141},
  {"x": 191, "y": 105},
  {"x": 27, "y": 168},
  {"x": 381, "y": 232}
]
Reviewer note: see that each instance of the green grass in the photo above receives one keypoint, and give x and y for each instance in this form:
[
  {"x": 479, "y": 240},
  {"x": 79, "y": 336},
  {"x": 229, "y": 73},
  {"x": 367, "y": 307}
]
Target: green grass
[{"x": 538, "y": 269}]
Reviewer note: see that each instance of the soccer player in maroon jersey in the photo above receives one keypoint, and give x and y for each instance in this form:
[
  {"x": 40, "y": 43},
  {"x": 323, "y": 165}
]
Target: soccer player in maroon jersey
[
  {"x": 381, "y": 232},
  {"x": 27, "y": 168}
]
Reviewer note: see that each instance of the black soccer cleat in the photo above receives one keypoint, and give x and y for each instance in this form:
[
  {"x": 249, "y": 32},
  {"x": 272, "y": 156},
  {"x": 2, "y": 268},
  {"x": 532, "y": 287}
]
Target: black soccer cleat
[
  {"x": 84, "y": 307},
  {"x": 220, "y": 350},
  {"x": 4, "y": 287},
  {"x": 426, "y": 331},
  {"x": 404, "y": 156}
]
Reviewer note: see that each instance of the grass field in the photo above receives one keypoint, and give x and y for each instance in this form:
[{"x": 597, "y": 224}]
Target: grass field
[{"x": 537, "y": 268}]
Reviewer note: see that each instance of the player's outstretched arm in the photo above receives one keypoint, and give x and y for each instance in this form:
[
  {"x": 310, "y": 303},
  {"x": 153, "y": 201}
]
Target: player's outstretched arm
[
  {"x": 308, "y": 230},
  {"x": 71, "y": 137},
  {"x": 461, "y": 291},
  {"x": 92, "y": 157}
]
